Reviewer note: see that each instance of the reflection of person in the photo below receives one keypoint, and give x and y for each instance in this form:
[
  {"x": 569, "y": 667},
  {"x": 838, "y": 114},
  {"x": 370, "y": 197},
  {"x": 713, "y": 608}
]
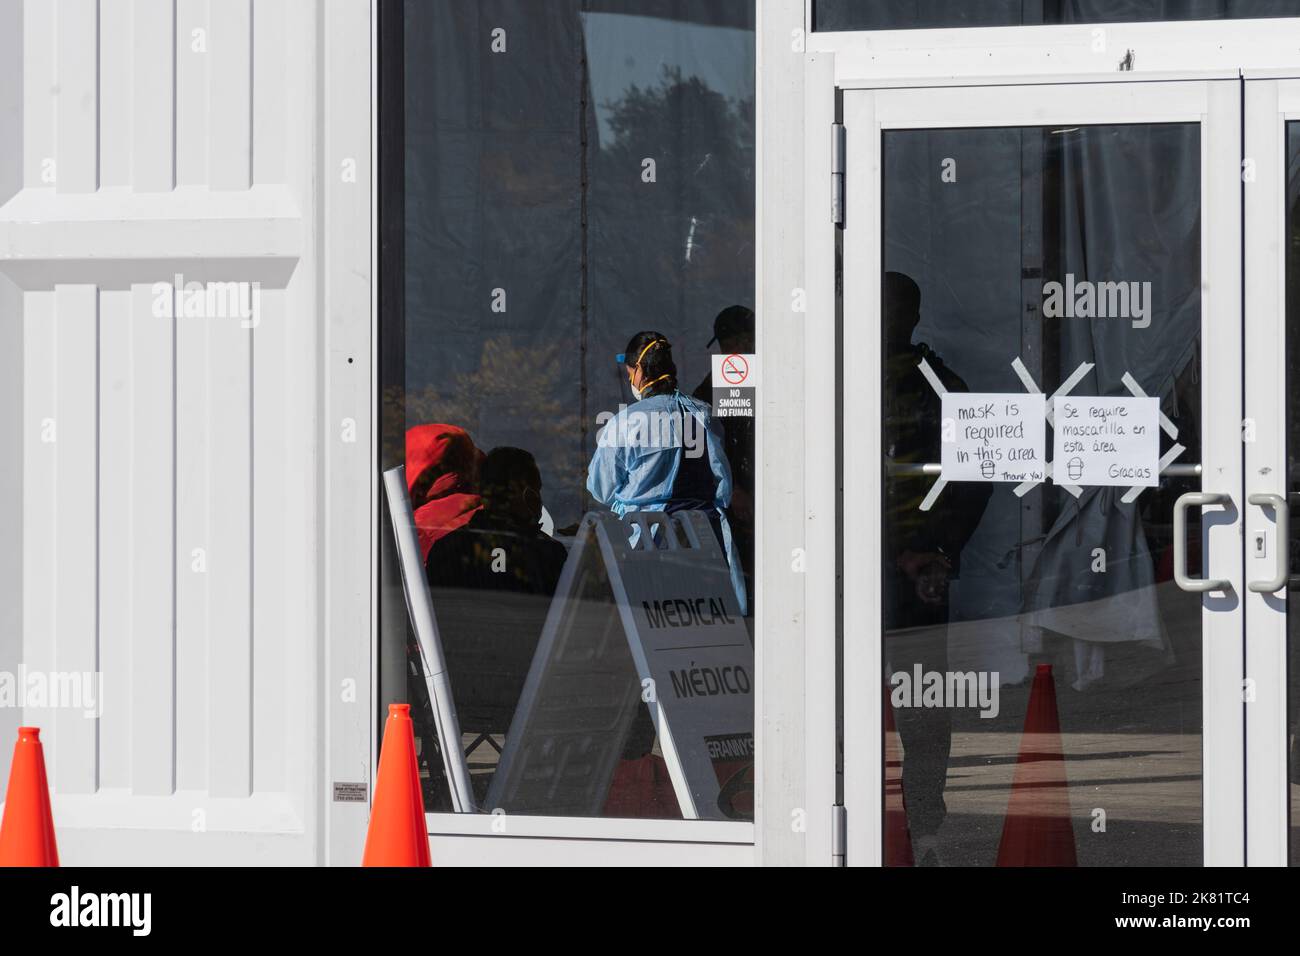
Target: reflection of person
[
  {"x": 489, "y": 644},
  {"x": 922, "y": 553},
  {"x": 733, "y": 331},
  {"x": 442, "y": 466},
  {"x": 665, "y": 451}
]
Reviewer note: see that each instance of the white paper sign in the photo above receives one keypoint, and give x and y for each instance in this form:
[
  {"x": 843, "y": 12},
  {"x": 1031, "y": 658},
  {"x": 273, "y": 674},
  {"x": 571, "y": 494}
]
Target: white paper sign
[
  {"x": 1106, "y": 441},
  {"x": 993, "y": 437}
]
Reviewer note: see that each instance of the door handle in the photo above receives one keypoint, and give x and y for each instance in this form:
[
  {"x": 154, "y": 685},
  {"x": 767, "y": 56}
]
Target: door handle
[
  {"x": 1199, "y": 499},
  {"x": 1282, "y": 515}
]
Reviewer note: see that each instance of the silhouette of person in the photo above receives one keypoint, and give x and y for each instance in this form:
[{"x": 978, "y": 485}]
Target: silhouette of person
[
  {"x": 733, "y": 331},
  {"x": 922, "y": 552}
]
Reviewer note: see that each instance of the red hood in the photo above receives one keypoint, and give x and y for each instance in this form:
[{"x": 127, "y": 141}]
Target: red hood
[{"x": 442, "y": 465}]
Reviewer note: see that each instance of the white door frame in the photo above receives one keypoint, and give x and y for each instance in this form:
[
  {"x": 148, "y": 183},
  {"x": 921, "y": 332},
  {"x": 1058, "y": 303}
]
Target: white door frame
[
  {"x": 1271, "y": 100},
  {"x": 347, "y": 430},
  {"x": 866, "y": 113}
]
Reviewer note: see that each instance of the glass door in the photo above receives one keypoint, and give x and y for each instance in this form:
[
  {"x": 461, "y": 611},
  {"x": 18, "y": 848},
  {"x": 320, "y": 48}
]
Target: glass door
[
  {"x": 1043, "y": 475},
  {"x": 1271, "y": 433}
]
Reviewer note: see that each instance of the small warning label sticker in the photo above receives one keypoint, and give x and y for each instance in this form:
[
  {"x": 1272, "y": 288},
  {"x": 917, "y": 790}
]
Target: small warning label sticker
[
  {"x": 349, "y": 792},
  {"x": 735, "y": 385}
]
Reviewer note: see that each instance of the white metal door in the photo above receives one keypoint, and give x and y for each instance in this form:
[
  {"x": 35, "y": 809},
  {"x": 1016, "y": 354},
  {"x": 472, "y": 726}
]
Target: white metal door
[
  {"x": 1147, "y": 655},
  {"x": 185, "y": 285}
]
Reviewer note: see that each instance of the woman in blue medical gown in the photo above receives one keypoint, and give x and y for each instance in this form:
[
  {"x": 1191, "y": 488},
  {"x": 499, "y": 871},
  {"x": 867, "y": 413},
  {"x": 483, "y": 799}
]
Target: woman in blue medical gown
[{"x": 665, "y": 451}]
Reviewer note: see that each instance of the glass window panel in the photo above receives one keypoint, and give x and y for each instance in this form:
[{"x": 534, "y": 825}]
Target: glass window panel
[{"x": 573, "y": 173}]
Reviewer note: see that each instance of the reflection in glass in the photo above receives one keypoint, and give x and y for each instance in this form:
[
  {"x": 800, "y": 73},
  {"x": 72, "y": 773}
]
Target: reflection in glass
[
  {"x": 1042, "y": 671},
  {"x": 573, "y": 172}
]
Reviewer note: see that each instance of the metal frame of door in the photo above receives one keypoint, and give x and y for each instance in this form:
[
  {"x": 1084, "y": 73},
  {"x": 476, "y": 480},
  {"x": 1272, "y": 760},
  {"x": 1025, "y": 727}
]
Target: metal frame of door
[
  {"x": 1216, "y": 105},
  {"x": 1272, "y": 99}
]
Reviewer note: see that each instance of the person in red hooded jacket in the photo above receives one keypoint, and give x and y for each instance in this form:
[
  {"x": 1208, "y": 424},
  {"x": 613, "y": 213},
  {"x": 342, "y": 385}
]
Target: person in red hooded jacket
[{"x": 442, "y": 473}]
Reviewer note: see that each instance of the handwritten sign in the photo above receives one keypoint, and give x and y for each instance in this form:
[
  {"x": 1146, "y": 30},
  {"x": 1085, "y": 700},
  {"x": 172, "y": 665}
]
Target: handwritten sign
[
  {"x": 994, "y": 437},
  {"x": 1106, "y": 441}
]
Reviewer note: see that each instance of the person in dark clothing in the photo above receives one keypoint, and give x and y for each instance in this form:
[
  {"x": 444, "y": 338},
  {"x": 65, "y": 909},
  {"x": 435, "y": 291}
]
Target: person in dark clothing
[
  {"x": 922, "y": 551},
  {"x": 733, "y": 331},
  {"x": 502, "y": 547}
]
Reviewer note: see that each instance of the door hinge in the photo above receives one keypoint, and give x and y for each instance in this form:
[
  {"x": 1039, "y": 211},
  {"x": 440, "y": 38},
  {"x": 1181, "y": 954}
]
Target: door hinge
[
  {"x": 837, "y": 172},
  {"x": 839, "y": 835}
]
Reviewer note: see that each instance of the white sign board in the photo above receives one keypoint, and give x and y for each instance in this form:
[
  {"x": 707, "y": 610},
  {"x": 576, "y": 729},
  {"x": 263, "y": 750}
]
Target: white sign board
[
  {"x": 684, "y": 654},
  {"x": 994, "y": 437},
  {"x": 1106, "y": 441},
  {"x": 735, "y": 385}
]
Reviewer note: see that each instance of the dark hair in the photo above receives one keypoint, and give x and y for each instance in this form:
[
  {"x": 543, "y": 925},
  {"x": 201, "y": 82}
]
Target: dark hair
[{"x": 656, "y": 361}]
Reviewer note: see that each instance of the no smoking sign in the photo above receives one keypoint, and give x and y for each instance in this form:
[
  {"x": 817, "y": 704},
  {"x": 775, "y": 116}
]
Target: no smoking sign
[{"x": 735, "y": 385}]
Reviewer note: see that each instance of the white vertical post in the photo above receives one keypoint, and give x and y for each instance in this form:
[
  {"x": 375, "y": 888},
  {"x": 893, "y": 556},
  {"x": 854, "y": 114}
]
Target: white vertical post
[{"x": 434, "y": 665}]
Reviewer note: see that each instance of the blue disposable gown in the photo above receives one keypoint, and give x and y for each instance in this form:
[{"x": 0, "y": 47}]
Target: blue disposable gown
[{"x": 638, "y": 464}]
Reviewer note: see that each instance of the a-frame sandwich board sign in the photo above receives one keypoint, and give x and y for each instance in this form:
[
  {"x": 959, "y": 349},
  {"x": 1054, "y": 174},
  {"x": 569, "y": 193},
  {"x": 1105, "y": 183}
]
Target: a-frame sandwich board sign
[{"x": 644, "y": 615}]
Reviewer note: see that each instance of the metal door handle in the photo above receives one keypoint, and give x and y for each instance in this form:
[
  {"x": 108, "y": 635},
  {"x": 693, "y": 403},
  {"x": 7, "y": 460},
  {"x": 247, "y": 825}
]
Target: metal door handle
[
  {"x": 1199, "y": 499},
  {"x": 1282, "y": 515}
]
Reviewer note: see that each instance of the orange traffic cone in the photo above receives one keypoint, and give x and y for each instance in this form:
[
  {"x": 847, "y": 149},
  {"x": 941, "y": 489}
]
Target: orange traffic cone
[
  {"x": 397, "y": 835},
  {"x": 27, "y": 832},
  {"x": 898, "y": 837},
  {"x": 1037, "y": 829}
]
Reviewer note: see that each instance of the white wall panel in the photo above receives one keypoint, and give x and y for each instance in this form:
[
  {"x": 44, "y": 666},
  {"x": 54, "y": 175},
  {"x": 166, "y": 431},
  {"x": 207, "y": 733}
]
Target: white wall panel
[
  {"x": 40, "y": 434},
  {"x": 192, "y": 92},
  {"x": 230, "y": 564},
  {"x": 38, "y": 74},
  {"x": 230, "y": 130},
  {"x": 170, "y": 526},
  {"x": 76, "y": 529},
  {"x": 76, "y": 78},
  {"x": 273, "y": 550},
  {"x": 115, "y": 92},
  {"x": 116, "y": 387},
  {"x": 193, "y": 527},
  {"x": 152, "y": 506},
  {"x": 271, "y": 40},
  {"x": 153, "y": 104}
]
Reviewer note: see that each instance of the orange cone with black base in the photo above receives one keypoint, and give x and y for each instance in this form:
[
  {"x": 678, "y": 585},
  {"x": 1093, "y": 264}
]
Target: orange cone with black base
[
  {"x": 27, "y": 832},
  {"x": 898, "y": 837},
  {"x": 397, "y": 835},
  {"x": 1037, "y": 830}
]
